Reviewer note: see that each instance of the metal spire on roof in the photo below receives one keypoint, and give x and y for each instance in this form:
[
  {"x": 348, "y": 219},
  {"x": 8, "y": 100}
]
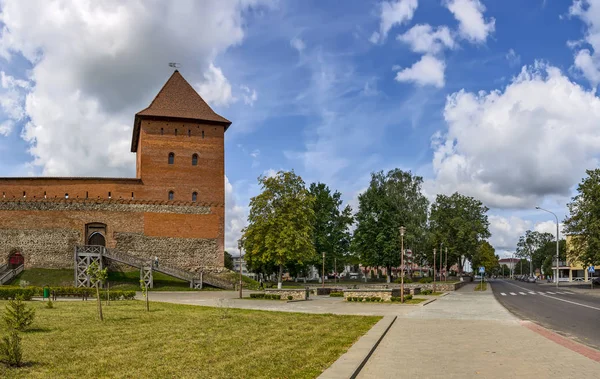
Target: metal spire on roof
[{"x": 174, "y": 64}]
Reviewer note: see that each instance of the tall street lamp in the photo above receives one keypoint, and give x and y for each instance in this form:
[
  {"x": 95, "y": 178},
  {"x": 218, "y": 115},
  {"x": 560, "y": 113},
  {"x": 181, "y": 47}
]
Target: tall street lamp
[
  {"x": 240, "y": 249},
  {"x": 434, "y": 270},
  {"x": 441, "y": 255},
  {"x": 323, "y": 279},
  {"x": 556, "y": 217},
  {"x": 446, "y": 264},
  {"x": 402, "y": 229}
]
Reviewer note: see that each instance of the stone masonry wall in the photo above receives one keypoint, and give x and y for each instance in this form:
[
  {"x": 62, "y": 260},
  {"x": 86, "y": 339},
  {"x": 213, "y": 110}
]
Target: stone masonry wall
[
  {"x": 295, "y": 294},
  {"x": 385, "y": 295},
  {"x": 52, "y": 248}
]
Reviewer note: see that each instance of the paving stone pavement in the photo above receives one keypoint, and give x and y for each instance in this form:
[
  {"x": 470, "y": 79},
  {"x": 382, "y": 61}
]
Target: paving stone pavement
[{"x": 468, "y": 334}]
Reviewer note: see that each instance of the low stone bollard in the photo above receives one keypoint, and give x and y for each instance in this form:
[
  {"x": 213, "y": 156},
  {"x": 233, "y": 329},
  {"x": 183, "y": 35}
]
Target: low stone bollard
[
  {"x": 384, "y": 294},
  {"x": 296, "y": 294}
]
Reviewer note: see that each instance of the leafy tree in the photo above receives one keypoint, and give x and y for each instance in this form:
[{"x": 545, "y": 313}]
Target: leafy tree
[
  {"x": 504, "y": 270},
  {"x": 228, "y": 261},
  {"x": 280, "y": 223},
  {"x": 548, "y": 251},
  {"x": 529, "y": 247},
  {"x": 521, "y": 267},
  {"x": 485, "y": 256},
  {"x": 392, "y": 200},
  {"x": 584, "y": 220},
  {"x": 460, "y": 223},
  {"x": 97, "y": 277},
  {"x": 331, "y": 226}
]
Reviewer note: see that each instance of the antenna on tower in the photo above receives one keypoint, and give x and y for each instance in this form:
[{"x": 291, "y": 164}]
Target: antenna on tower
[{"x": 174, "y": 64}]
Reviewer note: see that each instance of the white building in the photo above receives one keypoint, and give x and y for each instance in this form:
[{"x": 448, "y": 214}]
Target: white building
[{"x": 236, "y": 267}]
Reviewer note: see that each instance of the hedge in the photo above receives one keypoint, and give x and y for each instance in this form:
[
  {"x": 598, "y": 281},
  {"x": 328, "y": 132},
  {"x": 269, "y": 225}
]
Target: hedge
[
  {"x": 266, "y": 296},
  {"x": 427, "y": 279},
  {"x": 406, "y": 280},
  {"x": 336, "y": 294},
  {"x": 426, "y": 292},
  {"x": 28, "y": 292}
]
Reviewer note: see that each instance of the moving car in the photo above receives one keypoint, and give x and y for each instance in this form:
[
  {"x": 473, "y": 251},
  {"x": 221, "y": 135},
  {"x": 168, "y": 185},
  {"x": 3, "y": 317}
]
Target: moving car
[{"x": 531, "y": 279}]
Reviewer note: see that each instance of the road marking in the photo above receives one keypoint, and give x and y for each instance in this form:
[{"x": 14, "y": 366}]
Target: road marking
[
  {"x": 541, "y": 293},
  {"x": 522, "y": 293},
  {"x": 502, "y": 293},
  {"x": 550, "y": 293},
  {"x": 514, "y": 294},
  {"x": 531, "y": 293},
  {"x": 558, "y": 298}
]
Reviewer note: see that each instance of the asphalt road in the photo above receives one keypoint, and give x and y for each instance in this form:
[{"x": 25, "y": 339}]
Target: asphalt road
[{"x": 565, "y": 312}]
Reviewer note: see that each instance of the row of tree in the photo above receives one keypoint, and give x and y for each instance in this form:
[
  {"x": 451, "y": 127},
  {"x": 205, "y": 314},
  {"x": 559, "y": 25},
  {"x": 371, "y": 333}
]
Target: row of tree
[{"x": 291, "y": 226}]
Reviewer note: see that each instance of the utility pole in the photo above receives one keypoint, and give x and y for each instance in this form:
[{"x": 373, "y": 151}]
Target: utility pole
[
  {"x": 434, "y": 269},
  {"x": 240, "y": 249},
  {"x": 335, "y": 269},
  {"x": 441, "y": 255},
  {"x": 556, "y": 217},
  {"x": 402, "y": 229},
  {"x": 446, "y": 265},
  {"x": 323, "y": 279}
]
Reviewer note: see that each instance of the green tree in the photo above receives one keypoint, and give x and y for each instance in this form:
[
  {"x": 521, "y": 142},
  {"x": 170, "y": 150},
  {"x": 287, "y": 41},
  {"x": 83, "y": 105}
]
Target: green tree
[
  {"x": 228, "y": 261},
  {"x": 280, "y": 223},
  {"x": 392, "y": 200},
  {"x": 583, "y": 221},
  {"x": 485, "y": 256},
  {"x": 460, "y": 223},
  {"x": 548, "y": 251},
  {"x": 97, "y": 278},
  {"x": 504, "y": 270},
  {"x": 331, "y": 226},
  {"x": 17, "y": 315},
  {"x": 529, "y": 247},
  {"x": 521, "y": 267}
]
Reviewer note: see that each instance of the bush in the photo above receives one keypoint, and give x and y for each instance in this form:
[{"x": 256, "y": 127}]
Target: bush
[
  {"x": 257, "y": 295},
  {"x": 11, "y": 293},
  {"x": 407, "y": 297},
  {"x": 18, "y": 315},
  {"x": 118, "y": 295},
  {"x": 426, "y": 279},
  {"x": 49, "y": 304},
  {"x": 406, "y": 280},
  {"x": 426, "y": 292},
  {"x": 290, "y": 297},
  {"x": 394, "y": 299},
  {"x": 377, "y": 299},
  {"x": 10, "y": 349},
  {"x": 336, "y": 294}
]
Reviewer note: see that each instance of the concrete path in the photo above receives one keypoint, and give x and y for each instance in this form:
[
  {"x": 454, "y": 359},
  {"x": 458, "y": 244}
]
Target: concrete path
[
  {"x": 469, "y": 334},
  {"x": 316, "y": 304}
]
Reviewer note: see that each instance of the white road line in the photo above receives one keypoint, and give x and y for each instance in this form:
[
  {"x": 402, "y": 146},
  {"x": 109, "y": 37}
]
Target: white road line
[
  {"x": 531, "y": 293},
  {"x": 522, "y": 293},
  {"x": 502, "y": 293},
  {"x": 550, "y": 293},
  {"x": 562, "y": 293},
  {"x": 559, "y": 299},
  {"x": 514, "y": 294},
  {"x": 567, "y": 292}
]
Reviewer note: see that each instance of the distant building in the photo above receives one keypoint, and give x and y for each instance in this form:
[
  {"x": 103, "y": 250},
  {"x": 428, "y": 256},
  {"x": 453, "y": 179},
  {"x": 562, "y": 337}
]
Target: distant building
[
  {"x": 510, "y": 262},
  {"x": 572, "y": 270},
  {"x": 236, "y": 267}
]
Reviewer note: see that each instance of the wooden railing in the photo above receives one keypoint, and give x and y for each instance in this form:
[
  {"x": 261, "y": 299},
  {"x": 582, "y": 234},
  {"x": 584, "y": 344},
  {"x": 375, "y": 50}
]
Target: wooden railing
[{"x": 10, "y": 274}]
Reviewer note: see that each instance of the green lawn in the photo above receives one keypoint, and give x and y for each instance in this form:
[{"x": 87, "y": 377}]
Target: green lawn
[
  {"x": 40, "y": 277},
  {"x": 481, "y": 287},
  {"x": 181, "y": 341}
]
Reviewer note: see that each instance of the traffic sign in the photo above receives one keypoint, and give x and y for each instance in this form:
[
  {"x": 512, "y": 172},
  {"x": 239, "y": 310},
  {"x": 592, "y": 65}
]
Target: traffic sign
[
  {"x": 481, "y": 270},
  {"x": 591, "y": 269}
]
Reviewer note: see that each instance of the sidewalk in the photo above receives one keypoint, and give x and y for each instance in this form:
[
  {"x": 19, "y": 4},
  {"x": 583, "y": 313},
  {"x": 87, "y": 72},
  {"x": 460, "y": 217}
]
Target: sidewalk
[{"x": 468, "y": 334}]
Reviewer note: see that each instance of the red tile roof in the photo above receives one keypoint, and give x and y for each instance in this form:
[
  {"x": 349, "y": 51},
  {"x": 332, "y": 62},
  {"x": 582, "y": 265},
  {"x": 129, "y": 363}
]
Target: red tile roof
[{"x": 177, "y": 99}]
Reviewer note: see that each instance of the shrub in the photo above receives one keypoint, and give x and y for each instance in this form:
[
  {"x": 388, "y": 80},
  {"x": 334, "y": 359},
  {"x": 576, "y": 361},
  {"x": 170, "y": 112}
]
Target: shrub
[
  {"x": 257, "y": 295},
  {"x": 393, "y": 299},
  {"x": 18, "y": 315},
  {"x": 118, "y": 295},
  {"x": 290, "y": 297},
  {"x": 11, "y": 293},
  {"x": 49, "y": 304},
  {"x": 426, "y": 292},
  {"x": 23, "y": 283},
  {"x": 349, "y": 298},
  {"x": 426, "y": 279},
  {"x": 10, "y": 349},
  {"x": 377, "y": 299},
  {"x": 336, "y": 294},
  {"x": 406, "y": 280},
  {"x": 407, "y": 297}
]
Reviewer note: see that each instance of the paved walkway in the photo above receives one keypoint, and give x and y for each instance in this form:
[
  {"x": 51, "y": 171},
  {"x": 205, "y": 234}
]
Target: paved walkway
[
  {"x": 468, "y": 334},
  {"x": 316, "y": 304}
]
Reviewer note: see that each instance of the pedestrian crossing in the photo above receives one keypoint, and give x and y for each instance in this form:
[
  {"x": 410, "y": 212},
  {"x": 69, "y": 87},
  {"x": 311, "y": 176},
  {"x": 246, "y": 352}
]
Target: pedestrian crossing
[{"x": 536, "y": 293}]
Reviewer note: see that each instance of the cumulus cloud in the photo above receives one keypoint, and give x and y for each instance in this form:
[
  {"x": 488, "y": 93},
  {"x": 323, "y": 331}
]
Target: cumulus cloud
[
  {"x": 235, "y": 219},
  {"x": 471, "y": 23},
  {"x": 586, "y": 60},
  {"x": 429, "y": 70},
  {"x": 215, "y": 89},
  {"x": 12, "y": 101},
  {"x": 423, "y": 38},
  {"x": 393, "y": 13},
  {"x": 506, "y": 231},
  {"x": 298, "y": 44},
  {"x": 249, "y": 95},
  {"x": 511, "y": 148},
  {"x": 86, "y": 90}
]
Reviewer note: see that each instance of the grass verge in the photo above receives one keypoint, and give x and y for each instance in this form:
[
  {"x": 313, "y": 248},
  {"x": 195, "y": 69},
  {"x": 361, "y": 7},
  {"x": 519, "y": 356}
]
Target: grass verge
[
  {"x": 481, "y": 287},
  {"x": 414, "y": 301},
  {"x": 181, "y": 341}
]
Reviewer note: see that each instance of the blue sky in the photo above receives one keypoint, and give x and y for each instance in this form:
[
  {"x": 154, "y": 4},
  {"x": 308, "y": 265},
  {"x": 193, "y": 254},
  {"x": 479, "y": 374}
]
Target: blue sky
[{"x": 495, "y": 99}]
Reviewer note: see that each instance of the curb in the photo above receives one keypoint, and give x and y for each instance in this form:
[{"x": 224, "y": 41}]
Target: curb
[{"x": 350, "y": 363}]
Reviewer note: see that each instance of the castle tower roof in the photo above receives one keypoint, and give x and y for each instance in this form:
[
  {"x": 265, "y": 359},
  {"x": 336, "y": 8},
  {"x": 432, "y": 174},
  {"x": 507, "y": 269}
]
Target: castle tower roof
[{"x": 177, "y": 100}]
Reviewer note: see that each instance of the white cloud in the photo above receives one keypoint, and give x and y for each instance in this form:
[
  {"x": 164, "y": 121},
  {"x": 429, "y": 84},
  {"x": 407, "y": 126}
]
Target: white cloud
[
  {"x": 423, "y": 38},
  {"x": 429, "y": 70},
  {"x": 550, "y": 227},
  {"x": 298, "y": 44},
  {"x": 393, "y": 13},
  {"x": 255, "y": 154},
  {"x": 513, "y": 58},
  {"x": 511, "y": 148},
  {"x": 235, "y": 219},
  {"x": 250, "y": 96},
  {"x": 12, "y": 101},
  {"x": 270, "y": 173},
  {"x": 215, "y": 89},
  {"x": 587, "y": 61},
  {"x": 115, "y": 61},
  {"x": 469, "y": 14},
  {"x": 506, "y": 231},
  {"x": 6, "y": 127}
]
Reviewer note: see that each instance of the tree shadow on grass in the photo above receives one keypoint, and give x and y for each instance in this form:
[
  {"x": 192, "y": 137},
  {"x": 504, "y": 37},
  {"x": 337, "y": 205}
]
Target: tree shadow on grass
[{"x": 38, "y": 330}]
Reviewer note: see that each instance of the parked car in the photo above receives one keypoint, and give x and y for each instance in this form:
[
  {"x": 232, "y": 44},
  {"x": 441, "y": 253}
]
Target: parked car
[
  {"x": 531, "y": 279},
  {"x": 477, "y": 277},
  {"x": 596, "y": 280}
]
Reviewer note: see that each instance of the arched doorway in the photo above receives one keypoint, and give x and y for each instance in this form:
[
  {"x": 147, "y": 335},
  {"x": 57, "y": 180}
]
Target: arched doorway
[
  {"x": 96, "y": 239},
  {"x": 15, "y": 260}
]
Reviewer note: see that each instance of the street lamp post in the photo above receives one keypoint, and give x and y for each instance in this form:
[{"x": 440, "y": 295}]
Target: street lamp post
[
  {"x": 441, "y": 256},
  {"x": 402, "y": 229},
  {"x": 434, "y": 270},
  {"x": 556, "y": 217},
  {"x": 323, "y": 279},
  {"x": 446, "y": 265},
  {"x": 240, "y": 249}
]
